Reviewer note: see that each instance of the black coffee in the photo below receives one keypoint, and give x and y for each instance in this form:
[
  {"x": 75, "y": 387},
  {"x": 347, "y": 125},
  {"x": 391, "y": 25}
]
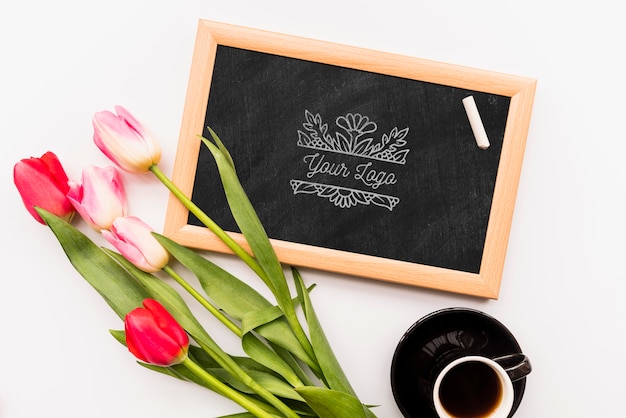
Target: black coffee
[{"x": 470, "y": 389}]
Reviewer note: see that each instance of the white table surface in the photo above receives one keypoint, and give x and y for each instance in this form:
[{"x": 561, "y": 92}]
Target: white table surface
[{"x": 563, "y": 285}]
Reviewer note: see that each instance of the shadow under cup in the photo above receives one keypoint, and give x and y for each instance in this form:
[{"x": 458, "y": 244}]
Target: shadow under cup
[{"x": 458, "y": 362}]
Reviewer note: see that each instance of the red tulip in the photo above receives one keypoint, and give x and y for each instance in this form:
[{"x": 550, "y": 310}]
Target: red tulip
[
  {"x": 154, "y": 336},
  {"x": 125, "y": 141},
  {"x": 42, "y": 182}
]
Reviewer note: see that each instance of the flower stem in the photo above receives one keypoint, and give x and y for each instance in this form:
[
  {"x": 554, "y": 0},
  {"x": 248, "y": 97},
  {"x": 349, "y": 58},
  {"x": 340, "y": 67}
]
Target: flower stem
[
  {"x": 215, "y": 384},
  {"x": 208, "y": 222},
  {"x": 203, "y": 301}
]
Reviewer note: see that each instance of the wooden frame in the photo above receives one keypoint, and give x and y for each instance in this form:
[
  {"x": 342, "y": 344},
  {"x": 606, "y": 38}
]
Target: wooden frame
[{"x": 520, "y": 89}]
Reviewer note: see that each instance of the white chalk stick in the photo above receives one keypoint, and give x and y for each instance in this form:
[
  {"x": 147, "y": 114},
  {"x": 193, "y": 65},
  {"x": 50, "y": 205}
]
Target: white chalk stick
[{"x": 476, "y": 122}]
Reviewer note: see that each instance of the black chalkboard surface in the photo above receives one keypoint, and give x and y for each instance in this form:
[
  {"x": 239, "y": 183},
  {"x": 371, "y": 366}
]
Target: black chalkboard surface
[{"x": 354, "y": 166}]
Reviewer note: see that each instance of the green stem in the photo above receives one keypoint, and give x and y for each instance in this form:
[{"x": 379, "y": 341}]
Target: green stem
[
  {"x": 209, "y": 223},
  {"x": 203, "y": 301},
  {"x": 225, "y": 390}
]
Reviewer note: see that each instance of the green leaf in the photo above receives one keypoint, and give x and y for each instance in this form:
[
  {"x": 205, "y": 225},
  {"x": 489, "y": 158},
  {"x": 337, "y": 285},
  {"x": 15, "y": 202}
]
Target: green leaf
[
  {"x": 118, "y": 288},
  {"x": 333, "y": 374},
  {"x": 250, "y": 364},
  {"x": 176, "y": 371},
  {"x": 270, "y": 382},
  {"x": 246, "y": 218},
  {"x": 119, "y": 335},
  {"x": 238, "y": 299},
  {"x": 221, "y": 147},
  {"x": 243, "y": 415},
  {"x": 271, "y": 324},
  {"x": 254, "y": 319},
  {"x": 250, "y": 225},
  {"x": 201, "y": 357},
  {"x": 205, "y": 361},
  {"x": 329, "y": 403},
  {"x": 264, "y": 354},
  {"x": 293, "y": 364},
  {"x": 232, "y": 295},
  {"x": 280, "y": 333}
]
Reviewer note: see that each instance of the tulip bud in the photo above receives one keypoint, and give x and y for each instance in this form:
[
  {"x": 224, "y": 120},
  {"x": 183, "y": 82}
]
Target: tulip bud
[
  {"x": 125, "y": 141},
  {"x": 134, "y": 240},
  {"x": 42, "y": 182},
  {"x": 100, "y": 199},
  {"x": 154, "y": 336}
]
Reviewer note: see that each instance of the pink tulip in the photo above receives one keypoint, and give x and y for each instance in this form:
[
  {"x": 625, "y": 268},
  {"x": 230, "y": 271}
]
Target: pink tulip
[
  {"x": 125, "y": 141},
  {"x": 134, "y": 240},
  {"x": 42, "y": 182},
  {"x": 100, "y": 199},
  {"x": 154, "y": 336}
]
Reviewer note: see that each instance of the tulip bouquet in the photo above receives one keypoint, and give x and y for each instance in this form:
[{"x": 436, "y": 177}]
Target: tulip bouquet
[{"x": 289, "y": 369}]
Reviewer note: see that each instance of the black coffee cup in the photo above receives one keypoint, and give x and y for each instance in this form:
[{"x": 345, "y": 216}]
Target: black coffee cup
[
  {"x": 478, "y": 386},
  {"x": 457, "y": 363}
]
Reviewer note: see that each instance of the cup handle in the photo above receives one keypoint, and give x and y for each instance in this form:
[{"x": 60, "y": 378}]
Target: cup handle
[{"x": 516, "y": 365}]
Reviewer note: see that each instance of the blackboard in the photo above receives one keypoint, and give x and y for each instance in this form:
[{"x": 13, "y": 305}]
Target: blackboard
[{"x": 356, "y": 161}]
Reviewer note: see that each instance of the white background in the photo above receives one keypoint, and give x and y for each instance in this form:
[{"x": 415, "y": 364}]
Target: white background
[{"x": 563, "y": 285}]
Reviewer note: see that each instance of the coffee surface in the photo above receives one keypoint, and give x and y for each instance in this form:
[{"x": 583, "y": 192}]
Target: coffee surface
[{"x": 470, "y": 389}]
